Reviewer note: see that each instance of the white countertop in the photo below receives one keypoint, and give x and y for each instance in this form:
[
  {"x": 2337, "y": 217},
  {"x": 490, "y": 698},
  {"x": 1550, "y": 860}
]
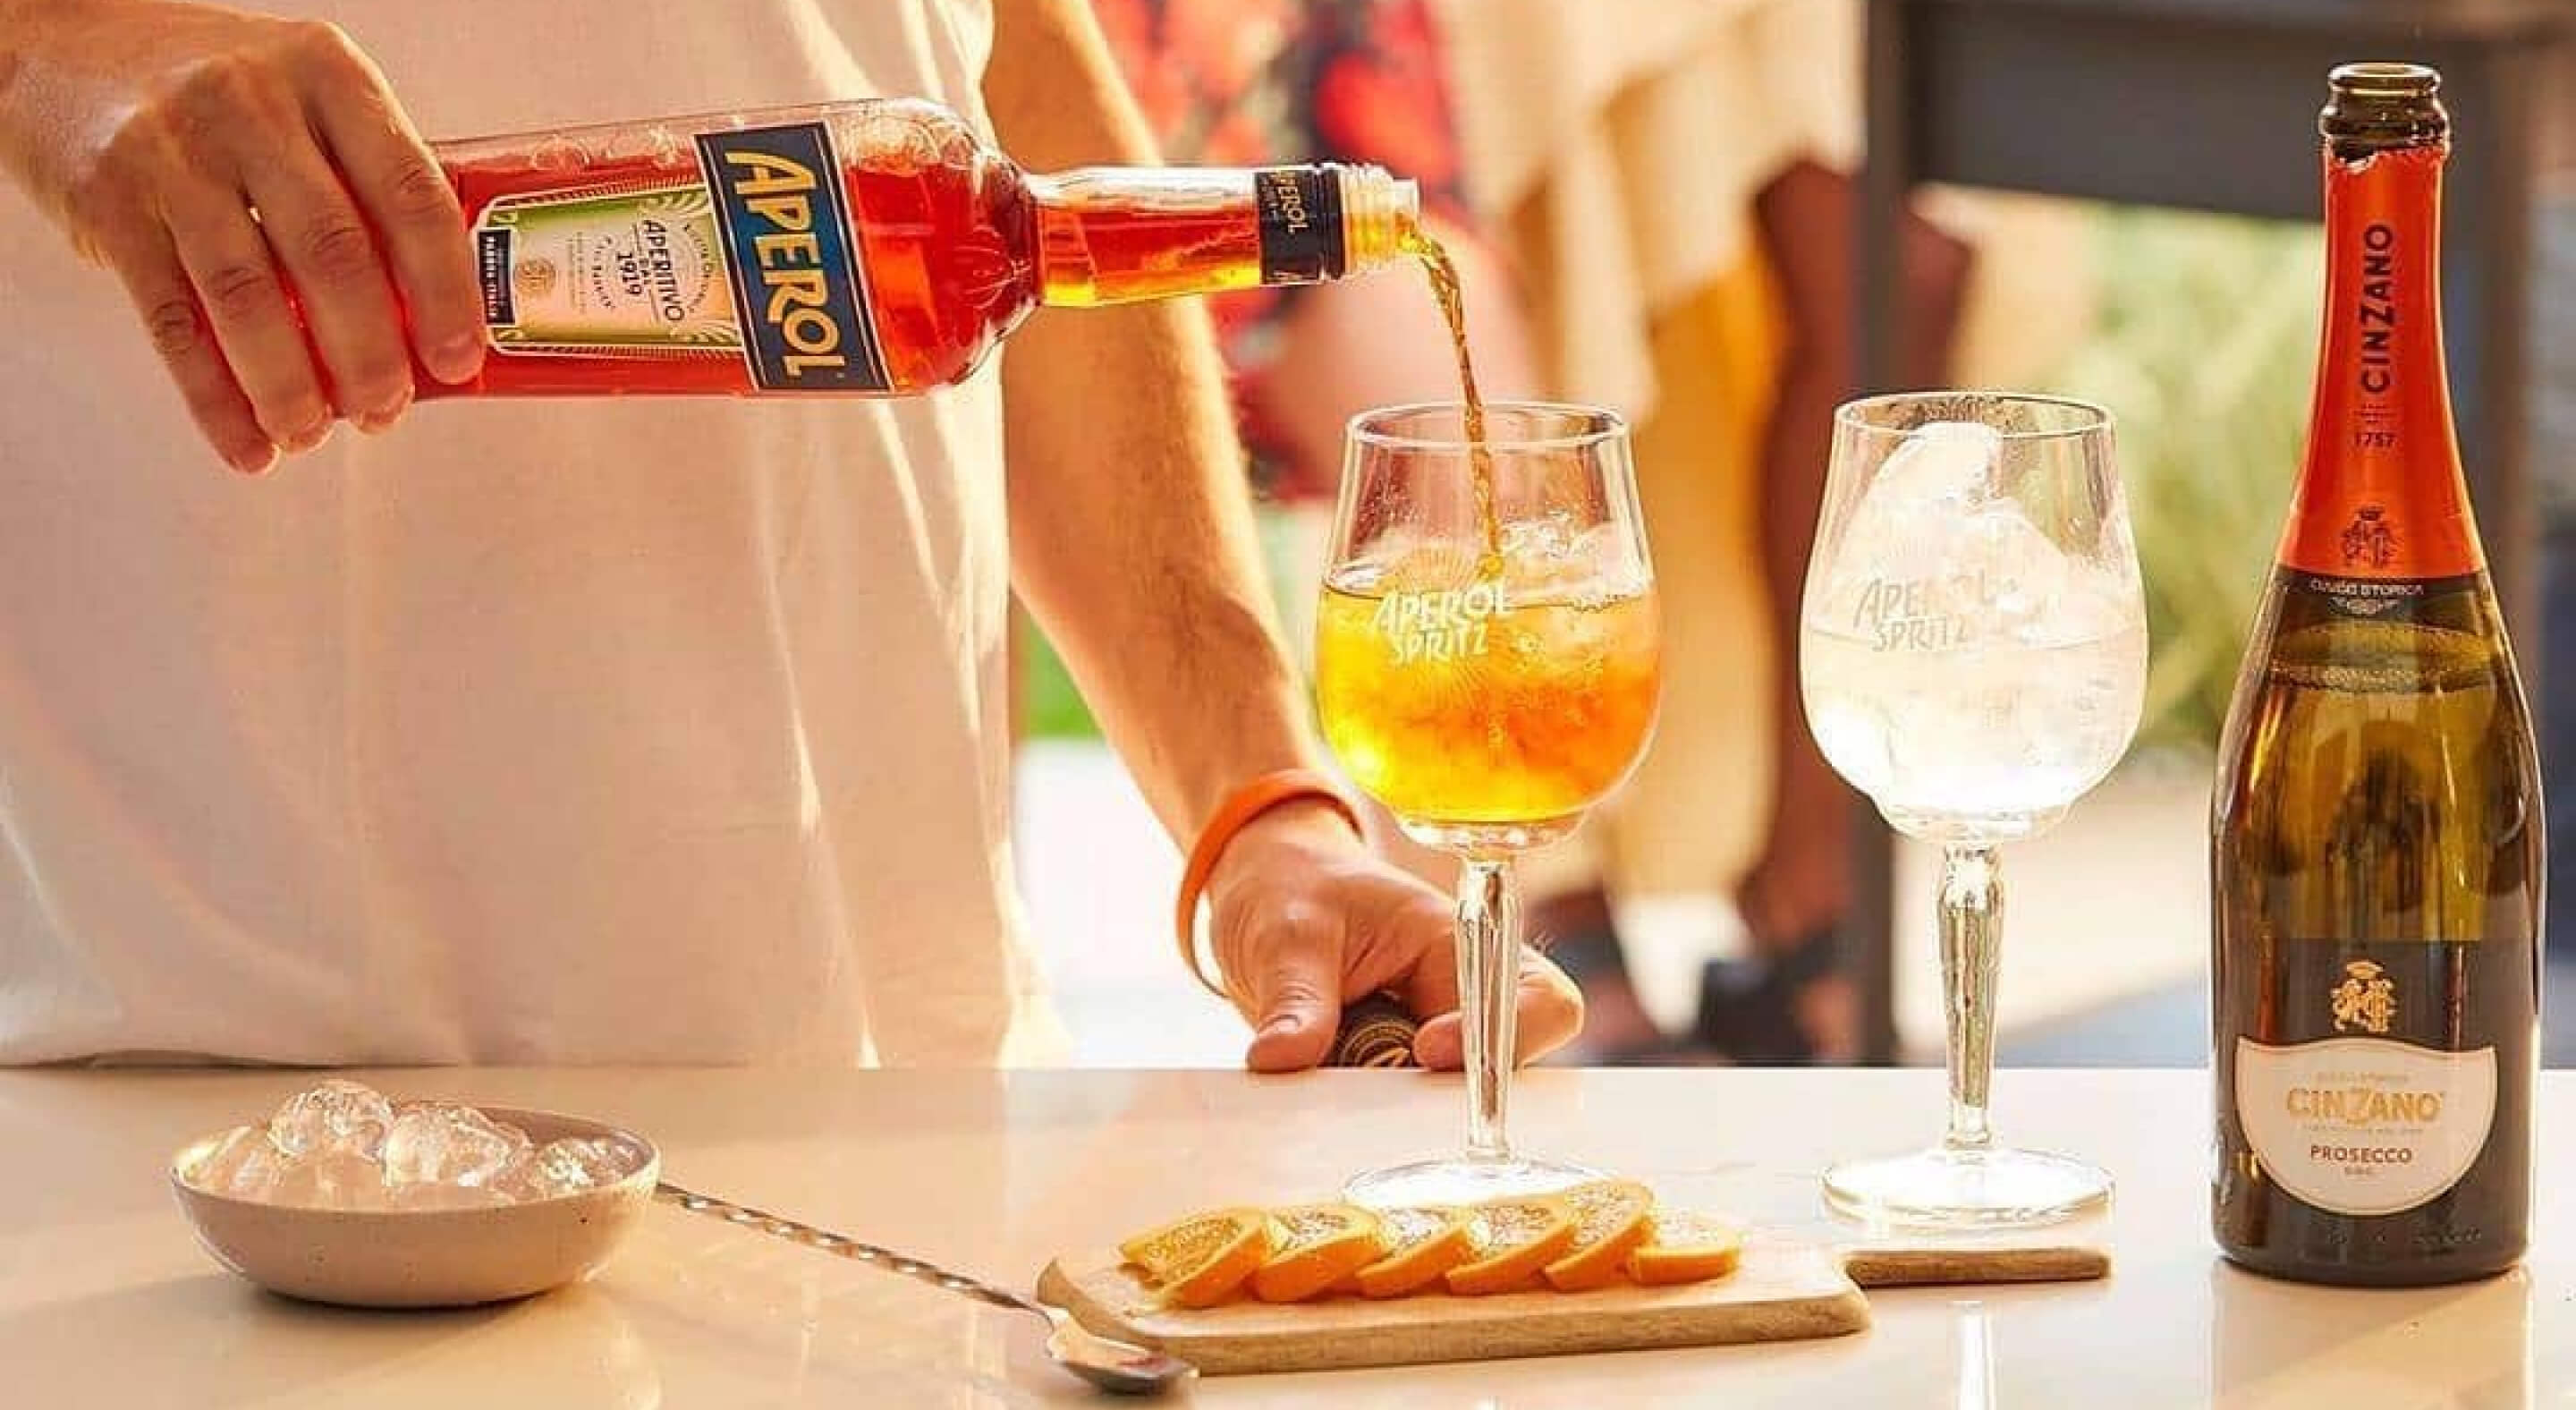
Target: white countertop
[{"x": 106, "y": 1300}]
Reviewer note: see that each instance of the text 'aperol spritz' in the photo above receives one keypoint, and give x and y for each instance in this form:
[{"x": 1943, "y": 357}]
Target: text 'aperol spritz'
[{"x": 1461, "y": 704}]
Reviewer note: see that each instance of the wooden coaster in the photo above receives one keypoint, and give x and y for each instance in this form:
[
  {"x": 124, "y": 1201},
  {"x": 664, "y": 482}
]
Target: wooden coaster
[{"x": 1932, "y": 1265}]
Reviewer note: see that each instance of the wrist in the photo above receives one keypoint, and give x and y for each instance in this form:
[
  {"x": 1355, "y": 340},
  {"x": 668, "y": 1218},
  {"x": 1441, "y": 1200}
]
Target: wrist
[
  {"x": 1302, "y": 827},
  {"x": 1298, "y": 814}
]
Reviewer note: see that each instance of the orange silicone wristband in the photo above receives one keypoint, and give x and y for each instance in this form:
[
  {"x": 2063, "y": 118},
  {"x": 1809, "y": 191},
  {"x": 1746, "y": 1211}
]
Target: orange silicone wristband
[{"x": 1240, "y": 808}]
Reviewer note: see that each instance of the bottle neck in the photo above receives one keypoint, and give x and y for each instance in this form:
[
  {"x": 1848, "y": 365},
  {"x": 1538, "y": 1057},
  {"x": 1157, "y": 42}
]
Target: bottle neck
[
  {"x": 2381, "y": 495},
  {"x": 1110, "y": 235}
]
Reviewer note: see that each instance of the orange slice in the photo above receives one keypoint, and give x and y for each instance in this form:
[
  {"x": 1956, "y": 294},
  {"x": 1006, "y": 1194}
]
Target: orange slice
[
  {"x": 1687, "y": 1248},
  {"x": 1314, "y": 1246},
  {"x": 1421, "y": 1245},
  {"x": 1611, "y": 1219},
  {"x": 1520, "y": 1236},
  {"x": 1199, "y": 1261}
]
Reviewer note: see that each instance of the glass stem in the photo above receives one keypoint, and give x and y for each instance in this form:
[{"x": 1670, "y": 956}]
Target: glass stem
[
  {"x": 1972, "y": 932},
  {"x": 1489, "y": 927}
]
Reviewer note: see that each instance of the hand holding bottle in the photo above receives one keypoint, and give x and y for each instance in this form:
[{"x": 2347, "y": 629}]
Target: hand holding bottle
[{"x": 152, "y": 130}]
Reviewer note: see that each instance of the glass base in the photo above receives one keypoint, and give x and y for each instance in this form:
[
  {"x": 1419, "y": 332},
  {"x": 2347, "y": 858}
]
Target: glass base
[
  {"x": 1462, "y": 1180},
  {"x": 1967, "y": 1189}
]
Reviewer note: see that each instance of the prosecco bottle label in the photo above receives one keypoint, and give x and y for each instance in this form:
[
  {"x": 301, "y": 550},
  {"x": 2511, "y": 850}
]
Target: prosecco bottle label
[
  {"x": 2364, "y": 1126},
  {"x": 2381, "y": 497},
  {"x": 2379, "y": 599}
]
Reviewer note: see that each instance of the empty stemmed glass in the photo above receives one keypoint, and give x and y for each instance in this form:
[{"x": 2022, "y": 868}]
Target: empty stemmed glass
[
  {"x": 1973, "y": 657},
  {"x": 1487, "y": 665}
]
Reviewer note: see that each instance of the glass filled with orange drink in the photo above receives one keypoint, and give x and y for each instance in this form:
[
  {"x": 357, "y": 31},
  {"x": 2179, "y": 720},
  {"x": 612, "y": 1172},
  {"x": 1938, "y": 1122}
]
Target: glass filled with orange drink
[{"x": 1487, "y": 665}]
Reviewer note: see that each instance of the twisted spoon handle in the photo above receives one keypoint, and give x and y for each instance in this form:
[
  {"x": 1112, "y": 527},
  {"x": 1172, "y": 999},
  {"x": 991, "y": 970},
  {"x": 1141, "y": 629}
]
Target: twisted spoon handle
[{"x": 825, "y": 1241}]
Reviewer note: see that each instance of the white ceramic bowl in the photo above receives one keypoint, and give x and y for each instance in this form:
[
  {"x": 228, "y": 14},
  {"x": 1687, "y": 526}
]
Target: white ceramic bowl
[{"x": 425, "y": 1257}]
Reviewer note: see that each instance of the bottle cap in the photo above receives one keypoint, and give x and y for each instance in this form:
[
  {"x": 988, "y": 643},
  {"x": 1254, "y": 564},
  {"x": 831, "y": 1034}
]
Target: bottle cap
[{"x": 1378, "y": 212}]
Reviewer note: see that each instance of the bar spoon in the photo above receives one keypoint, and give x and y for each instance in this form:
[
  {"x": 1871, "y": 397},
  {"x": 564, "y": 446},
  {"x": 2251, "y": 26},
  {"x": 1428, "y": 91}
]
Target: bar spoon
[{"x": 1114, "y": 1366}]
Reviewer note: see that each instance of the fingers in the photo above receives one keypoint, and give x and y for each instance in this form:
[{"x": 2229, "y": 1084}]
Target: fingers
[
  {"x": 1353, "y": 926},
  {"x": 314, "y": 227},
  {"x": 1295, "y": 991},
  {"x": 406, "y": 196},
  {"x": 186, "y": 343},
  {"x": 237, "y": 284},
  {"x": 1550, "y": 1014},
  {"x": 238, "y": 189}
]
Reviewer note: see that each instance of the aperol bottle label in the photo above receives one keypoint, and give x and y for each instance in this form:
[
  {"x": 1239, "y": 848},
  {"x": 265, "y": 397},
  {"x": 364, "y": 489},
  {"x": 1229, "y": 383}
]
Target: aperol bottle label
[
  {"x": 624, "y": 272},
  {"x": 799, "y": 289},
  {"x": 753, "y": 258},
  {"x": 2381, "y": 503}
]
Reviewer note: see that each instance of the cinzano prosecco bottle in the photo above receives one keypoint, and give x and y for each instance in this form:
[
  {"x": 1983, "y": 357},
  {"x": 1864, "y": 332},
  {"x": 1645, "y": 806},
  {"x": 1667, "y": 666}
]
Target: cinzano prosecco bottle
[{"x": 2376, "y": 843}]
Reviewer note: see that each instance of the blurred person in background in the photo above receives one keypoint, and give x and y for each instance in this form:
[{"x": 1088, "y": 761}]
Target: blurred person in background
[
  {"x": 1675, "y": 189},
  {"x": 1253, "y": 82},
  {"x": 1791, "y": 1000}
]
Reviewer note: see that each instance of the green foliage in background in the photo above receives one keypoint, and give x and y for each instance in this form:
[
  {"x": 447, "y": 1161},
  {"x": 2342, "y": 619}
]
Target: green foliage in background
[
  {"x": 1050, "y": 707},
  {"x": 2204, "y": 348}
]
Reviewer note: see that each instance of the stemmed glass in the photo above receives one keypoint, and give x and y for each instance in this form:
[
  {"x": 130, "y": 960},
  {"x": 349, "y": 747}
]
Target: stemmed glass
[
  {"x": 1973, "y": 656},
  {"x": 1487, "y": 665}
]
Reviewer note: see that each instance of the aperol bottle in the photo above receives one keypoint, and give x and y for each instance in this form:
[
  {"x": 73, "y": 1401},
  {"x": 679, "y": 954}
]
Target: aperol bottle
[{"x": 871, "y": 248}]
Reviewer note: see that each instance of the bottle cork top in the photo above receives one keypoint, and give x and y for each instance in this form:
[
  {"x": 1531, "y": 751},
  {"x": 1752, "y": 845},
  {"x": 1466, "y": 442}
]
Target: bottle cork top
[
  {"x": 2398, "y": 80},
  {"x": 2381, "y": 107}
]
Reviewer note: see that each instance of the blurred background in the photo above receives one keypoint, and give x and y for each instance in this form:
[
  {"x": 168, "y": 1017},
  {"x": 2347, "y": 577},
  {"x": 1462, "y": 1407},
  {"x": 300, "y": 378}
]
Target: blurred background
[{"x": 1663, "y": 214}]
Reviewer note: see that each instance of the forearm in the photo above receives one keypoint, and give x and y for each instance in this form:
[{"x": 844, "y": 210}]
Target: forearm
[
  {"x": 14, "y": 15},
  {"x": 1132, "y": 545},
  {"x": 1132, "y": 539},
  {"x": 18, "y": 20}
]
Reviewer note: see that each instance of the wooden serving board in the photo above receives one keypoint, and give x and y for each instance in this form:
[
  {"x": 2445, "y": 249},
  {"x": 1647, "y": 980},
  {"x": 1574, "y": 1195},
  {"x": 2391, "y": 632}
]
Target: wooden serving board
[{"x": 1786, "y": 1290}]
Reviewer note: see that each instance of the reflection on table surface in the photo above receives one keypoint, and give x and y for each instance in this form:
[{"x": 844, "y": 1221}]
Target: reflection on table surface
[{"x": 2279, "y": 1344}]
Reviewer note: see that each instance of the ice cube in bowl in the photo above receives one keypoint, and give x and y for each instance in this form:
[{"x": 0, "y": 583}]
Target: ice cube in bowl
[
  {"x": 426, "y": 1254},
  {"x": 337, "y": 1115}
]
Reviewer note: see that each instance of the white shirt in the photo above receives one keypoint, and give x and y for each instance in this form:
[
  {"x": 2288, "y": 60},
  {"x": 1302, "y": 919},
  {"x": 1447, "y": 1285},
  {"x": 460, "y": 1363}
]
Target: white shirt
[{"x": 612, "y": 730}]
